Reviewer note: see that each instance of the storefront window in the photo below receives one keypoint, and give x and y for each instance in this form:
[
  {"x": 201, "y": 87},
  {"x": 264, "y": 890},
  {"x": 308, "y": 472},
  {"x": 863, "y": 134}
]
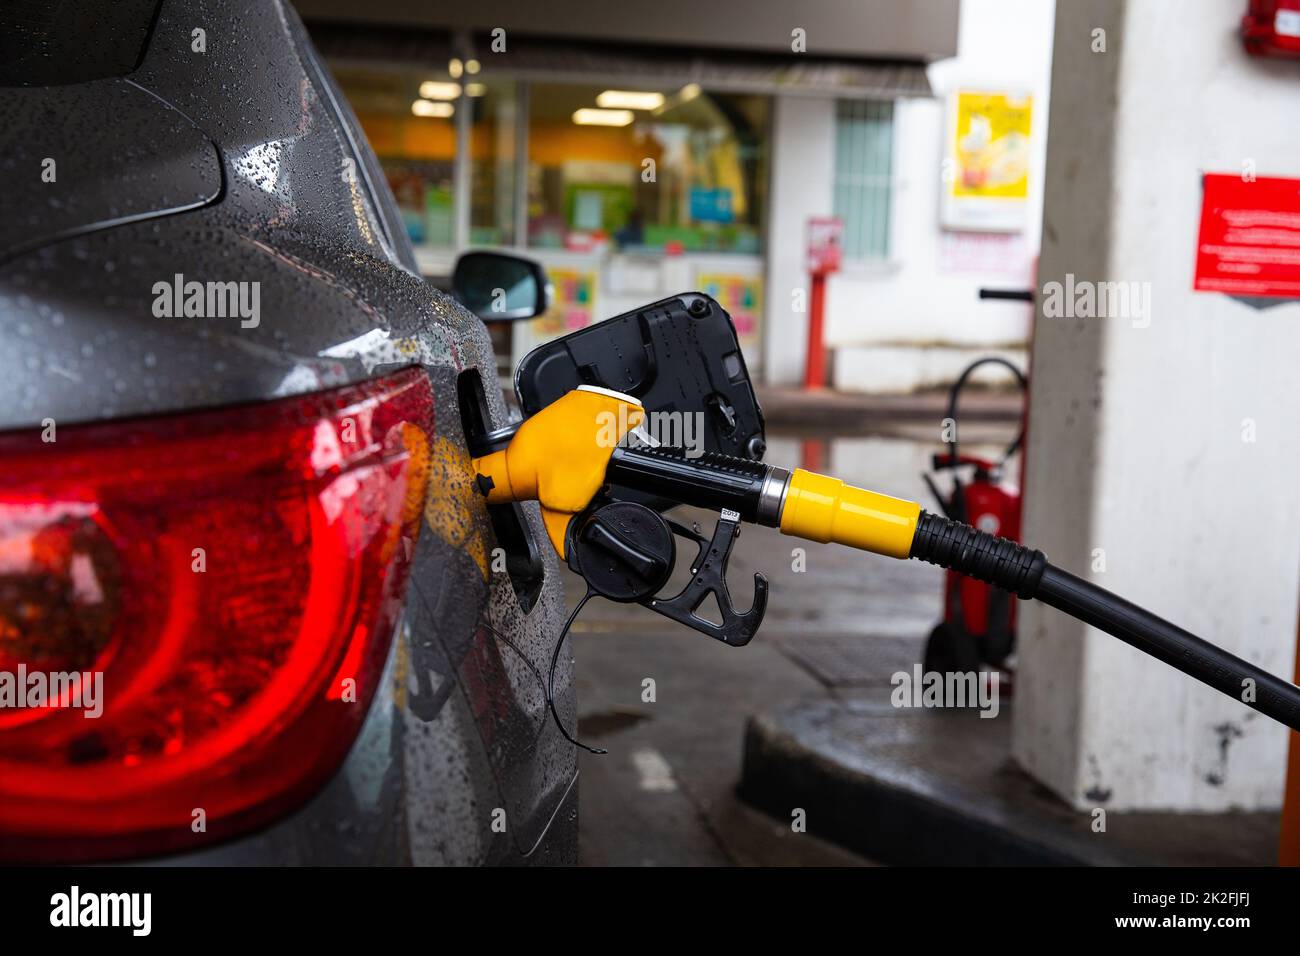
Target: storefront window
[
  {"x": 645, "y": 170},
  {"x": 414, "y": 137},
  {"x": 671, "y": 170},
  {"x": 494, "y": 112}
]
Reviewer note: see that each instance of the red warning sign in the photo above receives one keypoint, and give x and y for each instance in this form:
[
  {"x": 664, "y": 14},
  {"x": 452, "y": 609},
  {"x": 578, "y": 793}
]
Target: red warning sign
[{"x": 1249, "y": 242}]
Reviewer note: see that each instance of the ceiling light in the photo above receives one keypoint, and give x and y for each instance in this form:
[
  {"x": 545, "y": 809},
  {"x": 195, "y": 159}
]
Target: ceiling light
[
  {"x": 434, "y": 90},
  {"x": 590, "y": 117},
  {"x": 471, "y": 66},
  {"x": 475, "y": 89},
  {"x": 629, "y": 100},
  {"x": 455, "y": 68},
  {"x": 429, "y": 108}
]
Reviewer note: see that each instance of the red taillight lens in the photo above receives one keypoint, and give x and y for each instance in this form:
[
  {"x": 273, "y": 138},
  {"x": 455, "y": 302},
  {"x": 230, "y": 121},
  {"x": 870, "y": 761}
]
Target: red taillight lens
[{"x": 230, "y": 579}]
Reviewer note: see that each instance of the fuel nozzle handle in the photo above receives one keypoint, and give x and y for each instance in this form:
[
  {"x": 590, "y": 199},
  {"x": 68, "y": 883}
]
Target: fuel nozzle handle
[{"x": 708, "y": 480}]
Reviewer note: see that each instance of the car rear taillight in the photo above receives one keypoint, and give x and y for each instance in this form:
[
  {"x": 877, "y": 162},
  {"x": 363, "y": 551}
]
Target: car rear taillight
[{"x": 230, "y": 579}]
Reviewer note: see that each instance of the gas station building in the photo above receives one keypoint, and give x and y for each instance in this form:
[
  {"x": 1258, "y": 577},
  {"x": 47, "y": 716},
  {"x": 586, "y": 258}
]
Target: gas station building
[{"x": 635, "y": 159}]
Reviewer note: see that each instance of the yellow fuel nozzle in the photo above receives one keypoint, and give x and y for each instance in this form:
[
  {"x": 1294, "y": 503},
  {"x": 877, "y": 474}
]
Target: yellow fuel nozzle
[
  {"x": 565, "y": 453},
  {"x": 559, "y": 456}
]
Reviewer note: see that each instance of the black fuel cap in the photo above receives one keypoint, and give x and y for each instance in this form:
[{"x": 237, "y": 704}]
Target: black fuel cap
[{"x": 624, "y": 550}]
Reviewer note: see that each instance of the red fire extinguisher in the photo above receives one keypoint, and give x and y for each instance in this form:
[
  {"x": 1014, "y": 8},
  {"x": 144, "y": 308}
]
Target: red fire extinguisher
[{"x": 979, "y": 621}]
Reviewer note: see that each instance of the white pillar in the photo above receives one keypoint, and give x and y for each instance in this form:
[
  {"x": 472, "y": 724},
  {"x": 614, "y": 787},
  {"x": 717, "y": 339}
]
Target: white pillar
[
  {"x": 803, "y": 167},
  {"x": 1141, "y": 475}
]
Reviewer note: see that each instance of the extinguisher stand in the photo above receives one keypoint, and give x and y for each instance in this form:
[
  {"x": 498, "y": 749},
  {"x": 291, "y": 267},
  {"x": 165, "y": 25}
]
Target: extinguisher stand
[
  {"x": 825, "y": 239},
  {"x": 814, "y": 375}
]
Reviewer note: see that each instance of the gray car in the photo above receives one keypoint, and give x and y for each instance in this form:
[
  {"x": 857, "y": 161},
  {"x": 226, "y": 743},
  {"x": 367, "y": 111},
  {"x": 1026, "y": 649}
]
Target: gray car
[{"x": 236, "y": 508}]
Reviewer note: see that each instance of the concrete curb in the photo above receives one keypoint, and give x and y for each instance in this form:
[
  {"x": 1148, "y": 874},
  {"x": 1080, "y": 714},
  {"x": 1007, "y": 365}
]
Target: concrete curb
[{"x": 928, "y": 788}]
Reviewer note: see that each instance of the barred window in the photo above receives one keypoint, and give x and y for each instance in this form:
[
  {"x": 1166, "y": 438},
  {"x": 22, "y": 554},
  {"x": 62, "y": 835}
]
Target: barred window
[{"x": 864, "y": 135}]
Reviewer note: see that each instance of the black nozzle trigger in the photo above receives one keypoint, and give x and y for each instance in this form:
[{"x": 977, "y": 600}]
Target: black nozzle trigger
[
  {"x": 709, "y": 576},
  {"x": 625, "y": 552}
]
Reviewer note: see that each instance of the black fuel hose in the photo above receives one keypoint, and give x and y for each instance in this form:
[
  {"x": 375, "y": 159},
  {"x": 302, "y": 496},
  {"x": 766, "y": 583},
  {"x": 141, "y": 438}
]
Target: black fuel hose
[
  {"x": 1178, "y": 648},
  {"x": 1027, "y": 574}
]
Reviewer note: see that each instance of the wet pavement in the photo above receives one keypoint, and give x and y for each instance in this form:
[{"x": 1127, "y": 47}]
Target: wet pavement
[{"x": 838, "y": 621}]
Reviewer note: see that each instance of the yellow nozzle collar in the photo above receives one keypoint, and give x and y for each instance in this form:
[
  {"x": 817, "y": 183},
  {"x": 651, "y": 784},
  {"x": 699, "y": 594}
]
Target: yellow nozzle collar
[{"x": 826, "y": 509}]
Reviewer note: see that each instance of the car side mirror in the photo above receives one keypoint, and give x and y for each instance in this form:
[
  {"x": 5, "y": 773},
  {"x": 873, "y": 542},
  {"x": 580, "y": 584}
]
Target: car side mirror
[{"x": 498, "y": 286}]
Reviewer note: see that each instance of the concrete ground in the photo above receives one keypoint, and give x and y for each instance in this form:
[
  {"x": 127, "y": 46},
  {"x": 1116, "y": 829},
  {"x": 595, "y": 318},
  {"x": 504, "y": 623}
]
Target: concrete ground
[{"x": 837, "y": 620}]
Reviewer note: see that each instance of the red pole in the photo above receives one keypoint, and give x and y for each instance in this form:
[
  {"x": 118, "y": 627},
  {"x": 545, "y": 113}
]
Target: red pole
[
  {"x": 811, "y": 455},
  {"x": 814, "y": 375}
]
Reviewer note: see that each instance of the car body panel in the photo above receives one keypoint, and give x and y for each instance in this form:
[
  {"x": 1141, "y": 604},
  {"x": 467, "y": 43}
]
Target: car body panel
[
  {"x": 460, "y": 730},
  {"x": 95, "y": 175}
]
